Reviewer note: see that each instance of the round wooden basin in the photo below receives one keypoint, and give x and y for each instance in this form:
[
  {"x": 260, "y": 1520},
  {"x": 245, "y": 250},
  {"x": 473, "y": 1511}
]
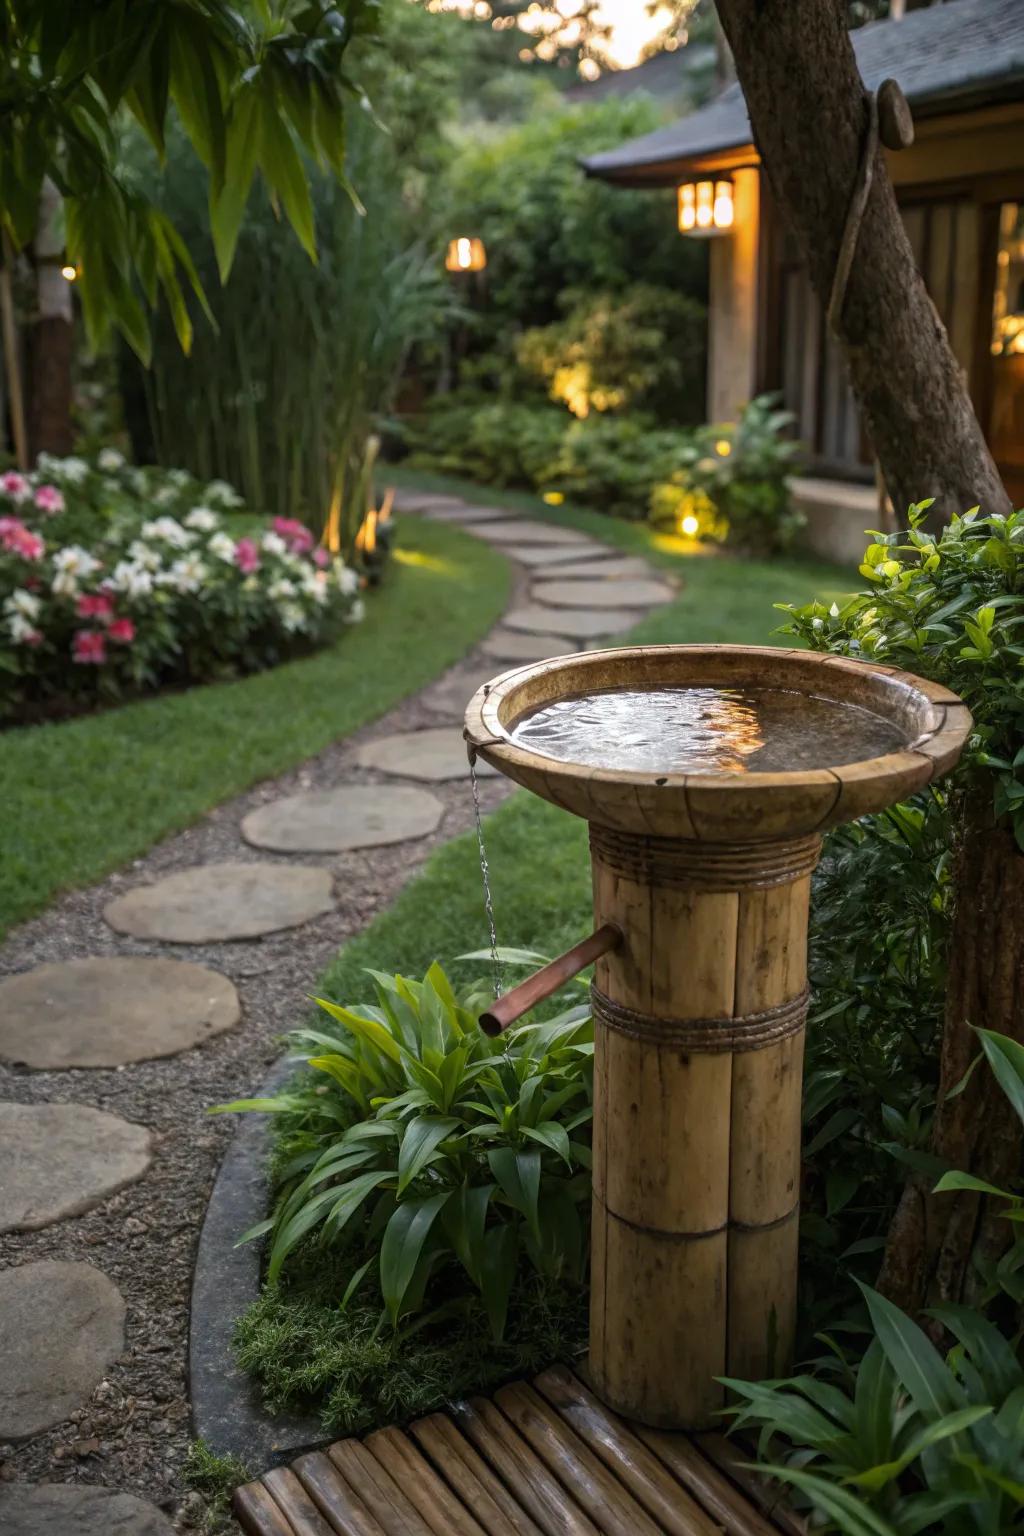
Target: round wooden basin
[{"x": 854, "y": 738}]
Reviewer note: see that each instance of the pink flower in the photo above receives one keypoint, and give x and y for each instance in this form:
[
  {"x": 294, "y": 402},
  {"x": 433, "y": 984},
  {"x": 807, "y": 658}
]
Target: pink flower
[
  {"x": 247, "y": 556},
  {"x": 90, "y": 647},
  {"x": 49, "y": 500},
  {"x": 295, "y": 534},
  {"x": 321, "y": 557},
  {"x": 15, "y": 486},
  {"x": 16, "y": 538},
  {"x": 95, "y": 606},
  {"x": 123, "y": 631},
  {"x": 32, "y": 637}
]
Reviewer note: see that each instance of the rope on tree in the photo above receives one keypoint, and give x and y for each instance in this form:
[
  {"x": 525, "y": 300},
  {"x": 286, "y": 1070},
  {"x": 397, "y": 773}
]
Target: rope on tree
[{"x": 889, "y": 119}]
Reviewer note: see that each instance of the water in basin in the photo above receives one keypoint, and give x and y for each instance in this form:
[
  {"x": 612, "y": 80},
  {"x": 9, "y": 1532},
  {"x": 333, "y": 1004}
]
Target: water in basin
[{"x": 705, "y": 730}]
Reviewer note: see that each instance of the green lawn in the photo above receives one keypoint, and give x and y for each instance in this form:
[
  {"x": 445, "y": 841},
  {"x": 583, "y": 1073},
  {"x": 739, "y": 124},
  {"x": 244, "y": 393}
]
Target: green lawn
[
  {"x": 82, "y": 797},
  {"x": 538, "y": 854}
]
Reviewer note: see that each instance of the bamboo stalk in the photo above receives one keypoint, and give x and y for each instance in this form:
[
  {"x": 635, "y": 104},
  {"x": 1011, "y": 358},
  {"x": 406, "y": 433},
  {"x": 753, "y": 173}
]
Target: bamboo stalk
[{"x": 12, "y": 368}]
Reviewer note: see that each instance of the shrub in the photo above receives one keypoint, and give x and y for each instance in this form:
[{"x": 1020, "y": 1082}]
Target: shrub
[
  {"x": 641, "y": 350},
  {"x": 732, "y": 480},
  {"x": 951, "y": 607},
  {"x": 114, "y": 580},
  {"x": 495, "y": 442},
  {"x": 426, "y": 1152}
]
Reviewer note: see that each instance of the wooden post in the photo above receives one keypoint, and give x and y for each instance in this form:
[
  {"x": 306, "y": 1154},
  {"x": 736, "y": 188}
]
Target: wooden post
[{"x": 699, "y": 1020}]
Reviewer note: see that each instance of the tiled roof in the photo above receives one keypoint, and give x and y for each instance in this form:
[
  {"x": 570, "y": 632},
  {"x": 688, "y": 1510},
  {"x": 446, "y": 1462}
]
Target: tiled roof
[{"x": 970, "y": 49}]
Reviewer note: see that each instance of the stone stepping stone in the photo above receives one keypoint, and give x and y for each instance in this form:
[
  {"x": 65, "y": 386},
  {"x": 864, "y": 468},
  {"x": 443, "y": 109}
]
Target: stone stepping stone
[
  {"x": 556, "y": 554},
  {"x": 215, "y": 903},
  {"x": 76, "y": 1509},
  {"x": 603, "y": 594},
  {"x": 335, "y": 820},
  {"x": 58, "y": 1160},
  {"x": 433, "y": 755},
  {"x": 517, "y": 645},
  {"x": 450, "y": 696},
  {"x": 469, "y": 515},
  {"x": 580, "y": 623},
  {"x": 61, "y": 1328},
  {"x": 109, "y": 1012},
  {"x": 521, "y": 532},
  {"x": 619, "y": 568},
  {"x": 423, "y": 501}
]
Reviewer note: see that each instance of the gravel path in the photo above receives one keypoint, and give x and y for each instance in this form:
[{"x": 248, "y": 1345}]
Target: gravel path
[{"x": 132, "y": 1434}]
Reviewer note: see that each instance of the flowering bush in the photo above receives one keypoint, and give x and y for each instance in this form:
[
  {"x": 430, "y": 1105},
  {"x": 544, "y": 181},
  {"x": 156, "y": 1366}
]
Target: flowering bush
[{"x": 115, "y": 579}]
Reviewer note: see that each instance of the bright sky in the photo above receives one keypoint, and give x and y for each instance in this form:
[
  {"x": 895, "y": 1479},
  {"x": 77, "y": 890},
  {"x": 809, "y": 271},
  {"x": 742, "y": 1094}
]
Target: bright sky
[{"x": 631, "y": 28}]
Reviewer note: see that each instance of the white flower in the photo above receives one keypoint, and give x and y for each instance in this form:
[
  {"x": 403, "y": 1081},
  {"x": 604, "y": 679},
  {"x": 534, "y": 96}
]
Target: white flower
[
  {"x": 281, "y": 589},
  {"x": 165, "y": 495},
  {"x": 145, "y": 555},
  {"x": 71, "y": 470},
  {"x": 75, "y": 561},
  {"x": 137, "y": 480},
  {"x": 170, "y": 531},
  {"x": 293, "y": 617},
  {"x": 186, "y": 575},
  {"x": 132, "y": 579},
  {"x": 314, "y": 585},
  {"x": 20, "y": 629},
  {"x": 273, "y": 544},
  {"x": 178, "y": 477},
  {"x": 357, "y": 613},
  {"x": 347, "y": 579},
  {"x": 202, "y": 519},
  {"x": 109, "y": 459},
  {"x": 222, "y": 547},
  {"x": 222, "y": 494},
  {"x": 22, "y": 604}
]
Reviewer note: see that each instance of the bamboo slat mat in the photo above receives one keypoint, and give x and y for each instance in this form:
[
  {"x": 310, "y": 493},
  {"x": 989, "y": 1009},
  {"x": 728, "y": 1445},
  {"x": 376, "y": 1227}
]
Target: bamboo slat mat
[{"x": 545, "y": 1459}]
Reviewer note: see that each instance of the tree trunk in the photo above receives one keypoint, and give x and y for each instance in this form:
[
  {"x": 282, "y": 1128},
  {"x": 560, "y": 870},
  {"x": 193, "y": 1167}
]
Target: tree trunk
[
  {"x": 935, "y": 1238},
  {"x": 51, "y": 344},
  {"x": 809, "y": 111}
]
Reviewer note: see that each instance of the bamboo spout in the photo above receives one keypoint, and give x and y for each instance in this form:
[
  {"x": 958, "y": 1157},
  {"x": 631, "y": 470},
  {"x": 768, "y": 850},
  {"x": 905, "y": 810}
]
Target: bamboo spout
[{"x": 545, "y": 982}]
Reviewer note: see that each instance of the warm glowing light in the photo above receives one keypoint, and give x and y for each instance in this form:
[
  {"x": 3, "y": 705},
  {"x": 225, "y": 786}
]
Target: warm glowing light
[
  {"x": 69, "y": 272},
  {"x": 366, "y": 538},
  {"x": 553, "y": 498},
  {"x": 689, "y": 525},
  {"x": 466, "y": 254},
  {"x": 723, "y": 447},
  {"x": 705, "y": 207}
]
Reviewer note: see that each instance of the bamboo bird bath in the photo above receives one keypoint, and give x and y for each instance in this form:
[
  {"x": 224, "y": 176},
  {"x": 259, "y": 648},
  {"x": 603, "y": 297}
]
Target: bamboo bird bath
[{"x": 727, "y": 765}]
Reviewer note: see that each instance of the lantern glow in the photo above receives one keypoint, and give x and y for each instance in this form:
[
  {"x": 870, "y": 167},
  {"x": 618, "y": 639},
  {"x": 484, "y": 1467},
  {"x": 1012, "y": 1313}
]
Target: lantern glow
[
  {"x": 705, "y": 207},
  {"x": 466, "y": 254}
]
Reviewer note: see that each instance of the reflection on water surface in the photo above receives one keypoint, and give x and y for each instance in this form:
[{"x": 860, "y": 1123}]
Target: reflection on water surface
[{"x": 705, "y": 730}]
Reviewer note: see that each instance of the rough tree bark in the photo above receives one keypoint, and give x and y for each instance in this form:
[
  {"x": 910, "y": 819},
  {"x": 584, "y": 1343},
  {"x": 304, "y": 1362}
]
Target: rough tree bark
[
  {"x": 51, "y": 339},
  {"x": 936, "y": 1241},
  {"x": 809, "y": 111}
]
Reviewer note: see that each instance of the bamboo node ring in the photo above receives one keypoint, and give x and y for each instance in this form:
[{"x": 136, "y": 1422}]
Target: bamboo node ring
[{"x": 744, "y": 1032}]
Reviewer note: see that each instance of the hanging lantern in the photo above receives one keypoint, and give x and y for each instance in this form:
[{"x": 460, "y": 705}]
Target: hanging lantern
[
  {"x": 466, "y": 255},
  {"x": 705, "y": 207}
]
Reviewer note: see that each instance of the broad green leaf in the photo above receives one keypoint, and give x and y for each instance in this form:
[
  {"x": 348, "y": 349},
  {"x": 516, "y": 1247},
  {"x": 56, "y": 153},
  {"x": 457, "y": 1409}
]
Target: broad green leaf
[
  {"x": 420, "y": 1141},
  {"x": 932, "y": 1387},
  {"x": 464, "y": 1217},
  {"x": 403, "y": 1244},
  {"x": 284, "y": 172},
  {"x": 955, "y": 1180},
  {"x": 849, "y": 1512},
  {"x": 348, "y": 1201},
  {"x": 991, "y": 1354},
  {"x": 551, "y": 1134},
  {"x": 518, "y": 1177},
  {"x": 498, "y": 1271},
  {"x": 1006, "y": 1058}
]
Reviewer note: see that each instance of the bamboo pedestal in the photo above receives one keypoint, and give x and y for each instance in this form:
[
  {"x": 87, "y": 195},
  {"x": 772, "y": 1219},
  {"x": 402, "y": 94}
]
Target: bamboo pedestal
[
  {"x": 699, "y": 1013},
  {"x": 699, "y": 1035}
]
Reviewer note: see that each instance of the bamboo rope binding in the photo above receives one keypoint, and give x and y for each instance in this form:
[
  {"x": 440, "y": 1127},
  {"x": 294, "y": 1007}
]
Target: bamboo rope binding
[
  {"x": 745, "y": 1032},
  {"x": 681, "y": 865}
]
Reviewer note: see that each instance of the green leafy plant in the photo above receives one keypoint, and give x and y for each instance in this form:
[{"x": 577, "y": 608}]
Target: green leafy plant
[
  {"x": 443, "y": 1154},
  {"x": 639, "y": 350},
  {"x": 249, "y": 87},
  {"x": 905, "y": 1440},
  {"x": 950, "y": 605},
  {"x": 731, "y": 481}
]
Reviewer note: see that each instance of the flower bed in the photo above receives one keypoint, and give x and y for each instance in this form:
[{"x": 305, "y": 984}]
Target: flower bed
[{"x": 116, "y": 580}]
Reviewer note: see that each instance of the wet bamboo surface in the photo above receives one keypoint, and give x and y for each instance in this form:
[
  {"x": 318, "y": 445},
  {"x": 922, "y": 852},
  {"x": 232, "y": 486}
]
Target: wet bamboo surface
[{"x": 537, "y": 1459}]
